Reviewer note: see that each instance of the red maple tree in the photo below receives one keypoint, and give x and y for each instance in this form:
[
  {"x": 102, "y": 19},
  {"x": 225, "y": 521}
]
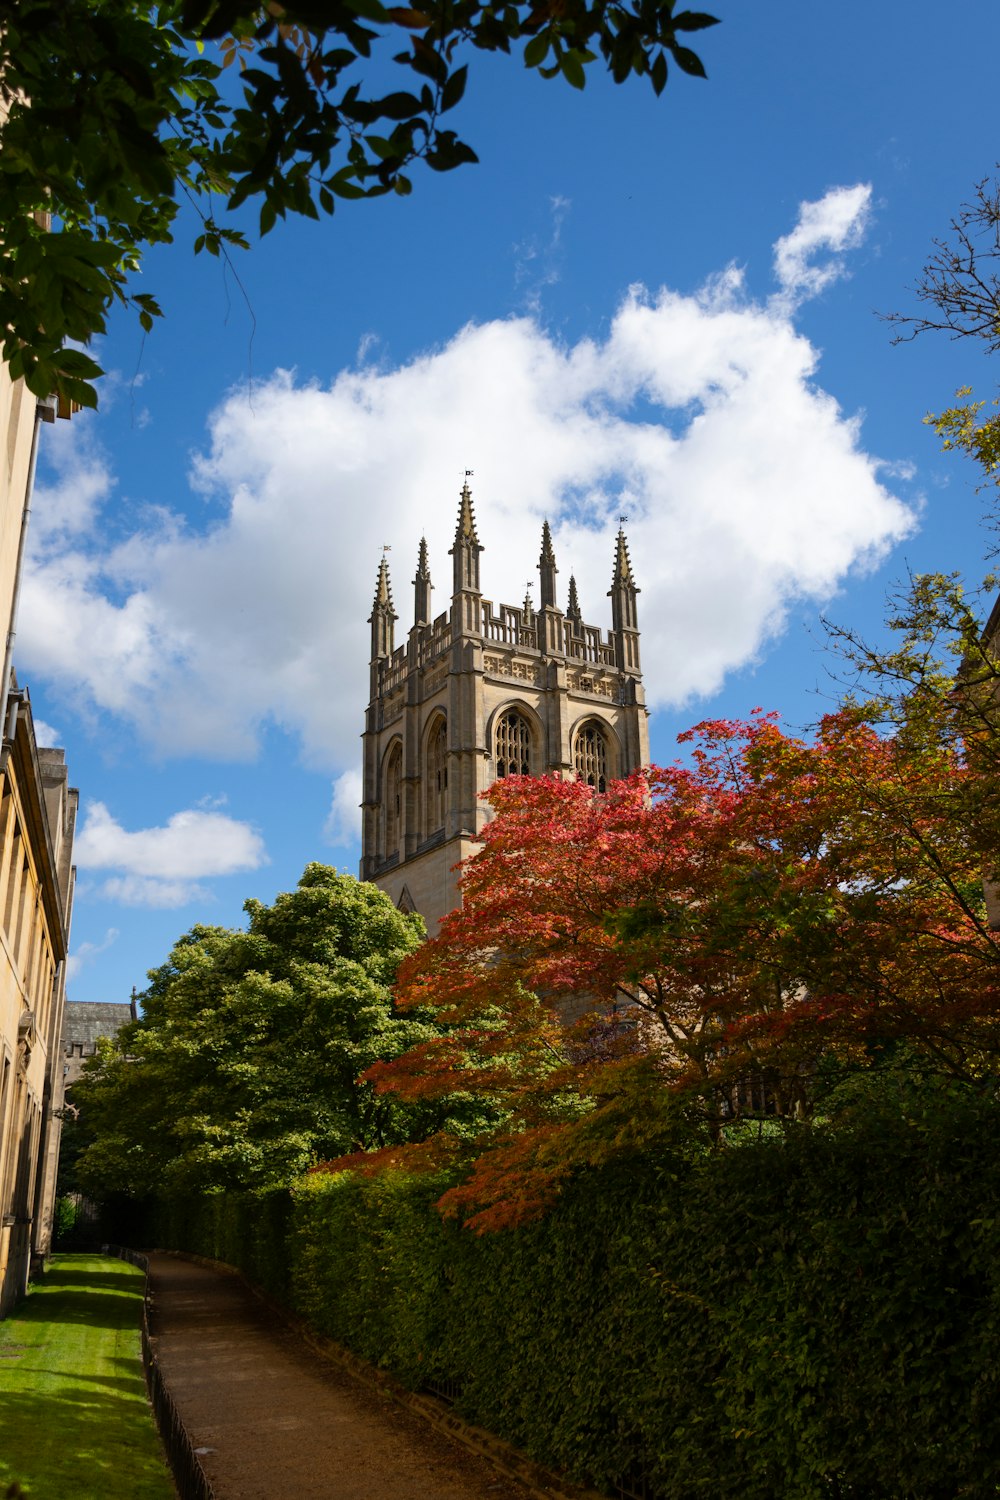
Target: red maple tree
[{"x": 695, "y": 938}]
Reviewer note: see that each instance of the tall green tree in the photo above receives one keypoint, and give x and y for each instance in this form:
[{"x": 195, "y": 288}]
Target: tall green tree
[
  {"x": 110, "y": 110},
  {"x": 242, "y": 1070}
]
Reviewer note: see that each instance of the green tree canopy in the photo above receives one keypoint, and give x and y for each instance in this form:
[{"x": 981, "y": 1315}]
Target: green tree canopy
[
  {"x": 111, "y": 109},
  {"x": 241, "y": 1071}
]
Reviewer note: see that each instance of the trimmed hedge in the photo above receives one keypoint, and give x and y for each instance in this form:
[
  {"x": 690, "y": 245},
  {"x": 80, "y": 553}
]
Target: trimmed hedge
[{"x": 813, "y": 1315}]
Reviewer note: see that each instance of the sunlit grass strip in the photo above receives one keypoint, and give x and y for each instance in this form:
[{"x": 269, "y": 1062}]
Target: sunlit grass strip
[{"x": 74, "y": 1419}]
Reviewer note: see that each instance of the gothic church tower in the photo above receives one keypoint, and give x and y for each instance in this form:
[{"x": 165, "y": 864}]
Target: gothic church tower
[{"x": 474, "y": 695}]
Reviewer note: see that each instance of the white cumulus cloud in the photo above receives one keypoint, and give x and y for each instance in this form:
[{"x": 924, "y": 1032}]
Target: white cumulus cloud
[
  {"x": 45, "y": 734},
  {"x": 80, "y": 482},
  {"x": 835, "y": 222},
  {"x": 343, "y": 821},
  {"x": 86, "y": 953},
  {"x": 161, "y": 866},
  {"x": 140, "y": 890},
  {"x": 748, "y": 489}
]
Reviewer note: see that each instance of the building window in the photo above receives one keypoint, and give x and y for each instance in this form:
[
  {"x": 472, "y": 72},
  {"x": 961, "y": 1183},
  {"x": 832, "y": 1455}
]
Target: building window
[
  {"x": 436, "y": 779},
  {"x": 591, "y": 757},
  {"x": 512, "y": 751},
  {"x": 393, "y": 800}
]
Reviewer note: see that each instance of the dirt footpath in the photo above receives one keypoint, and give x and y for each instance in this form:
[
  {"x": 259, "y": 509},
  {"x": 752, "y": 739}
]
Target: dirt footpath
[{"x": 276, "y": 1420}]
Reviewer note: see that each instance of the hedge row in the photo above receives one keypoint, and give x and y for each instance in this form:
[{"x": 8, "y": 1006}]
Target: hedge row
[{"x": 815, "y": 1315}]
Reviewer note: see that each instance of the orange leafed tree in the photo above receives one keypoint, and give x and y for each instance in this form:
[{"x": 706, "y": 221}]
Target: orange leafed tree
[{"x": 618, "y": 957}]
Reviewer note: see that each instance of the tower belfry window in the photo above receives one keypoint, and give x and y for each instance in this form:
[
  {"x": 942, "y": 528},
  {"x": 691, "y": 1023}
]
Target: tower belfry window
[
  {"x": 436, "y": 779},
  {"x": 393, "y": 801},
  {"x": 512, "y": 750},
  {"x": 591, "y": 757}
]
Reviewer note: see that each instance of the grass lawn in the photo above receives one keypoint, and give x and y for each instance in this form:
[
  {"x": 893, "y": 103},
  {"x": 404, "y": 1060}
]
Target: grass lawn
[{"x": 74, "y": 1420}]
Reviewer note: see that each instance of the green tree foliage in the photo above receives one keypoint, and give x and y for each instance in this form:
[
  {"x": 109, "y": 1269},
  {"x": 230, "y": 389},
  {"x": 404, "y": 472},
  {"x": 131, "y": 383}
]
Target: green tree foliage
[
  {"x": 810, "y": 1315},
  {"x": 243, "y": 1067},
  {"x": 110, "y": 109}
]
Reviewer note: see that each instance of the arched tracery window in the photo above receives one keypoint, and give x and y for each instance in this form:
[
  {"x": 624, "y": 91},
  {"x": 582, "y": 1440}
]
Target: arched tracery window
[
  {"x": 512, "y": 747},
  {"x": 591, "y": 757},
  {"x": 392, "y": 804},
  {"x": 436, "y": 779}
]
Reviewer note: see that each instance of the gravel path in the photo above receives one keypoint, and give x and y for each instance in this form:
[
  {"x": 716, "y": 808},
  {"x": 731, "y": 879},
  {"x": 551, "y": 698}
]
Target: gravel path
[{"x": 276, "y": 1420}]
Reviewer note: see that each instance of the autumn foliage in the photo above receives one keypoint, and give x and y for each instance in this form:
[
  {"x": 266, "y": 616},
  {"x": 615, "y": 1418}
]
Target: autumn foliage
[{"x": 699, "y": 939}]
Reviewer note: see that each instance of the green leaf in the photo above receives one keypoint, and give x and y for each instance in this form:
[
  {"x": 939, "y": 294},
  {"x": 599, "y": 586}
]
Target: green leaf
[
  {"x": 79, "y": 391},
  {"x": 383, "y": 149},
  {"x": 537, "y": 50},
  {"x": 371, "y": 10},
  {"x": 428, "y": 61},
  {"x": 345, "y": 185},
  {"x": 572, "y": 70},
  {"x": 693, "y": 20},
  {"x": 399, "y": 106},
  {"x": 688, "y": 61},
  {"x": 75, "y": 362},
  {"x": 454, "y": 88}
]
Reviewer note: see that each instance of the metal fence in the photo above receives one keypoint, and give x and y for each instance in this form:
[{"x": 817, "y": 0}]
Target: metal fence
[
  {"x": 635, "y": 1486},
  {"x": 189, "y": 1476},
  {"x": 443, "y": 1388}
]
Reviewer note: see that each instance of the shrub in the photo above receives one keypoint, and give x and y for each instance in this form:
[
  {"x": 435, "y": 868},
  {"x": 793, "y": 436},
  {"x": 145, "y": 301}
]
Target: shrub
[{"x": 808, "y": 1315}]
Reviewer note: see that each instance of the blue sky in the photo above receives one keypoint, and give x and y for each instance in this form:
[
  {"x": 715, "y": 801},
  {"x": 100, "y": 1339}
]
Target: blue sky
[{"x": 666, "y": 307}]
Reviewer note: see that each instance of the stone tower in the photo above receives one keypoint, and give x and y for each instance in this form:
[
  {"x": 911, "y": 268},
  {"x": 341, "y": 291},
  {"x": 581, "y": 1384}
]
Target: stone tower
[{"x": 475, "y": 694}]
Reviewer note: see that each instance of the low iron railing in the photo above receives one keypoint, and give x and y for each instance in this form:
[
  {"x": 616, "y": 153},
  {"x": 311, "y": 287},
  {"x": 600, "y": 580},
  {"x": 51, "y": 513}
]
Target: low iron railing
[{"x": 190, "y": 1478}]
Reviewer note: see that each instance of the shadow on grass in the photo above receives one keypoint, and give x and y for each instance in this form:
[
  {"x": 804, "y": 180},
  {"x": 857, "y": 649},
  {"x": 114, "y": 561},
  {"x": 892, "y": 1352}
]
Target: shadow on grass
[
  {"x": 86, "y": 1445},
  {"x": 129, "y": 1385},
  {"x": 94, "y": 1314},
  {"x": 99, "y": 1299},
  {"x": 92, "y": 1281},
  {"x": 74, "y": 1419}
]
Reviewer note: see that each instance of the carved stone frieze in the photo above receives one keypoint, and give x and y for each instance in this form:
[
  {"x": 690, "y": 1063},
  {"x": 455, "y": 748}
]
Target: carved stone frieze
[
  {"x": 591, "y": 682},
  {"x": 514, "y": 668}
]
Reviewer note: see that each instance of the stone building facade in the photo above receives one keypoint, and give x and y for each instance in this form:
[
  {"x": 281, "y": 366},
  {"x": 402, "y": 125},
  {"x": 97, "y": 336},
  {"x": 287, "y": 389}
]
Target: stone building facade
[
  {"x": 85, "y": 1024},
  {"x": 38, "y": 812},
  {"x": 479, "y": 692},
  {"x": 37, "y": 822}
]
